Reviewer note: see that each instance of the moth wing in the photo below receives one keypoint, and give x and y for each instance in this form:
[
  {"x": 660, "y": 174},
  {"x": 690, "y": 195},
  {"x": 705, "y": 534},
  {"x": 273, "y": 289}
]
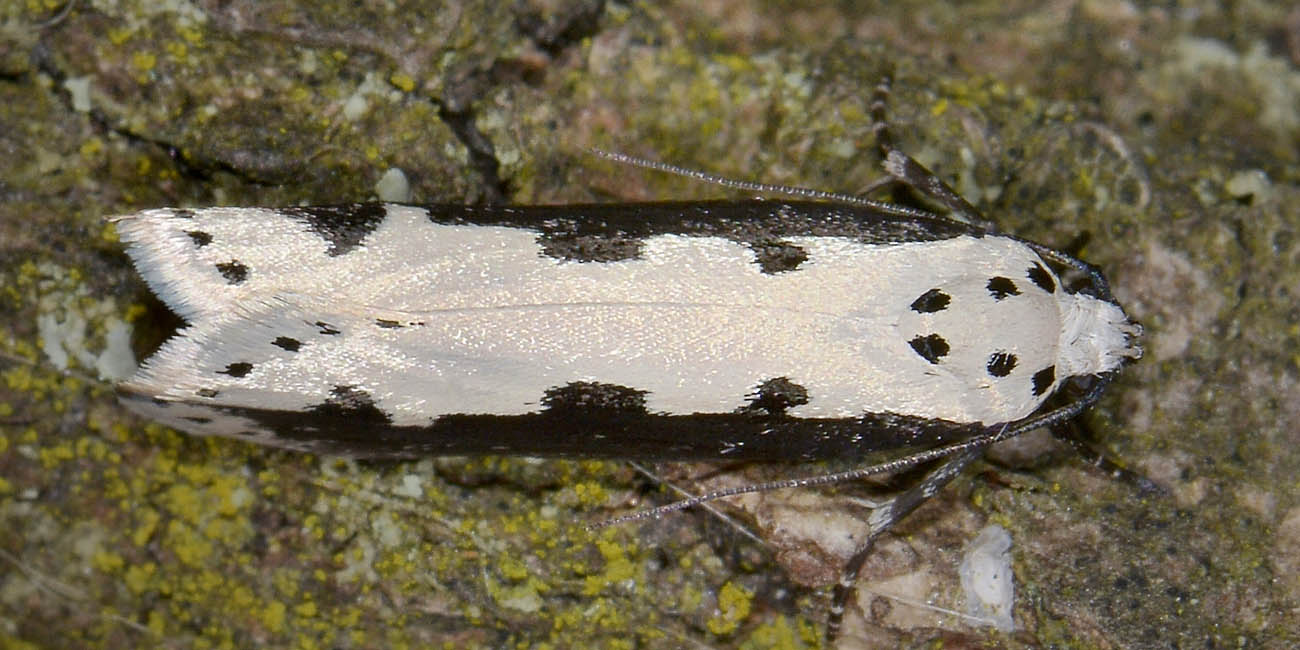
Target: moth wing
[
  {"x": 299, "y": 354},
  {"x": 209, "y": 262}
]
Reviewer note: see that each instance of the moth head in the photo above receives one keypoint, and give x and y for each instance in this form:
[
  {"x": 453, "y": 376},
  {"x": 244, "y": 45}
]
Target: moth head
[{"x": 1096, "y": 336}]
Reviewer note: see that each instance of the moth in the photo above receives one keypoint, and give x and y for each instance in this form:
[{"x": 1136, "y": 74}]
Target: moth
[{"x": 772, "y": 330}]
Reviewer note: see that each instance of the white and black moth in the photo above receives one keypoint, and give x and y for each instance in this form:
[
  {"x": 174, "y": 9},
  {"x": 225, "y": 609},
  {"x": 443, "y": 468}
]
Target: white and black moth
[
  {"x": 742, "y": 330},
  {"x": 757, "y": 330}
]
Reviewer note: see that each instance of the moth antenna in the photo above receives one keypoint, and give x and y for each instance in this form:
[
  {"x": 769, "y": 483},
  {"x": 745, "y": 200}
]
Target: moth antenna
[
  {"x": 722, "y": 516},
  {"x": 765, "y": 188},
  {"x": 59, "y": 17},
  {"x": 63, "y": 591}
]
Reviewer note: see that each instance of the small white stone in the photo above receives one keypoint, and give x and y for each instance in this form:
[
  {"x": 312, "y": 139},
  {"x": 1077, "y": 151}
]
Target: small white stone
[
  {"x": 1249, "y": 183},
  {"x": 79, "y": 90},
  {"x": 987, "y": 580},
  {"x": 393, "y": 187}
]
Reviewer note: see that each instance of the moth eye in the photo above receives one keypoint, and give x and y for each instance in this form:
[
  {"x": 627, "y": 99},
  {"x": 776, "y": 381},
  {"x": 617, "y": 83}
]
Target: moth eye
[
  {"x": 199, "y": 238},
  {"x": 1002, "y": 287},
  {"x": 1041, "y": 277},
  {"x": 931, "y": 347},
  {"x": 233, "y": 272},
  {"x": 1043, "y": 380},
  {"x": 931, "y": 301},
  {"x": 1001, "y": 364}
]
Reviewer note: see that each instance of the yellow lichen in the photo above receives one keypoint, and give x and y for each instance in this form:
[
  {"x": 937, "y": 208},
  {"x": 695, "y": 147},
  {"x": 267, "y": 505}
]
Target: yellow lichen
[
  {"x": 118, "y": 36},
  {"x": 107, "y": 561},
  {"x": 513, "y": 569},
  {"x": 91, "y": 147},
  {"x": 940, "y": 107},
  {"x": 178, "y": 51},
  {"x": 144, "y": 61},
  {"x": 140, "y": 577},
  {"x": 148, "y": 518},
  {"x": 402, "y": 81},
  {"x": 734, "y": 604},
  {"x": 782, "y": 633},
  {"x": 617, "y": 567},
  {"x": 190, "y": 34},
  {"x": 190, "y": 548},
  {"x": 273, "y": 616}
]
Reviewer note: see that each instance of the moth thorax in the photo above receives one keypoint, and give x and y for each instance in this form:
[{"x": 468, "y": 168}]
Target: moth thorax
[{"x": 1096, "y": 336}]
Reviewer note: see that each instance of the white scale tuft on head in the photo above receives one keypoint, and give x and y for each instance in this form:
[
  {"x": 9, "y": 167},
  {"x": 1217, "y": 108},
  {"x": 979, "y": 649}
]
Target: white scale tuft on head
[{"x": 1096, "y": 336}]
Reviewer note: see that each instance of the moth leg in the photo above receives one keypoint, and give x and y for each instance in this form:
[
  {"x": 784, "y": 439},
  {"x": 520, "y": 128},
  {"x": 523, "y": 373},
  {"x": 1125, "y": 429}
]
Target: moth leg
[
  {"x": 908, "y": 171},
  {"x": 883, "y": 519},
  {"x": 1071, "y": 433}
]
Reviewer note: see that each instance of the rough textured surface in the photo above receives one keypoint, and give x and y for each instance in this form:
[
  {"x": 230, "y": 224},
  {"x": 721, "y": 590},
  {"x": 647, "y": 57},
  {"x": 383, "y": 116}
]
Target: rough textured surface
[{"x": 1166, "y": 135}]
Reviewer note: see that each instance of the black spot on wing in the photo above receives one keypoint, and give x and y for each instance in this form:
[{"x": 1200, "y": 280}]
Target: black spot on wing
[
  {"x": 238, "y": 369},
  {"x": 931, "y": 301},
  {"x": 1043, "y": 380},
  {"x": 591, "y": 399},
  {"x": 182, "y": 213},
  {"x": 1001, "y": 364},
  {"x": 347, "y": 403},
  {"x": 778, "y": 256},
  {"x": 1042, "y": 277},
  {"x": 343, "y": 226},
  {"x": 326, "y": 328},
  {"x": 1002, "y": 287},
  {"x": 384, "y": 323},
  {"x": 199, "y": 238},
  {"x": 286, "y": 343},
  {"x": 589, "y": 248},
  {"x": 207, "y": 392},
  {"x": 776, "y": 395},
  {"x": 233, "y": 272},
  {"x": 931, "y": 347},
  {"x": 197, "y": 419}
]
